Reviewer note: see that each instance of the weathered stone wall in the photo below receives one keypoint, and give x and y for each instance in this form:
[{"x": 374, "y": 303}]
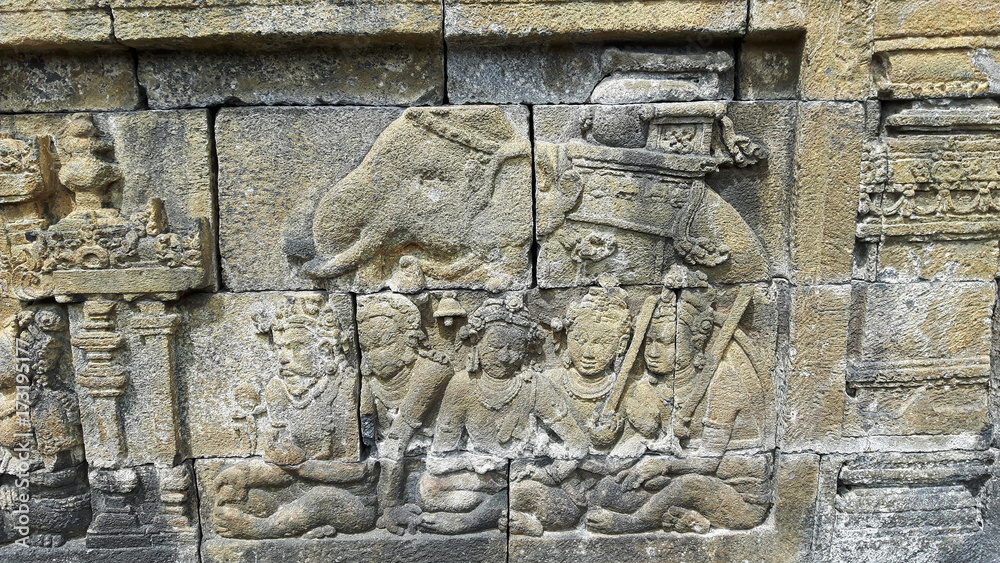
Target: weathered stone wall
[{"x": 519, "y": 280}]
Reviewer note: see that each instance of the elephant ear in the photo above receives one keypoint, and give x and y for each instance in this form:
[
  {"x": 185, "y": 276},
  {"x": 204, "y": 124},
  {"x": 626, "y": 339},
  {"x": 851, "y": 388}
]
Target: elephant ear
[{"x": 559, "y": 186}]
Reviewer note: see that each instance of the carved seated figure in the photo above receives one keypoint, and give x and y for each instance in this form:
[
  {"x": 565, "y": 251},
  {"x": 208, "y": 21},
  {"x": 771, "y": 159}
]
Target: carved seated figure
[
  {"x": 402, "y": 383},
  {"x": 301, "y": 488},
  {"x": 40, "y": 419},
  {"x": 721, "y": 483},
  {"x": 553, "y": 497},
  {"x": 496, "y": 410}
]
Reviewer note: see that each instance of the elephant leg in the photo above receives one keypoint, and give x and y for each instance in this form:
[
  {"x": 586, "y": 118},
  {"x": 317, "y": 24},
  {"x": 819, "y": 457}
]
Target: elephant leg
[{"x": 369, "y": 242}]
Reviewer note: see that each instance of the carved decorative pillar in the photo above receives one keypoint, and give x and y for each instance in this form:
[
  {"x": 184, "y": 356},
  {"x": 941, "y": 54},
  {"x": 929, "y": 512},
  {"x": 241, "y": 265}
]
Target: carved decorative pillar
[
  {"x": 175, "y": 502},
  {"x": 104, "y": 380},
  {"x": 157, "y": 328},
  {"x": 115, "y": 523}
]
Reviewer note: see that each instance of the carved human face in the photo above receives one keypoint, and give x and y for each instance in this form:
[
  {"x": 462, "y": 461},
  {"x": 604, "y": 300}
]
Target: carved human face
[
  {"x": 298, "y": 354},
  {"x": 667, "y": 350},
  {"x": 592, "y": 344},
  {"x": 385, "y": 347},
  {"x": 502, "y": 350},
  {"x": 660, "y": 351}
]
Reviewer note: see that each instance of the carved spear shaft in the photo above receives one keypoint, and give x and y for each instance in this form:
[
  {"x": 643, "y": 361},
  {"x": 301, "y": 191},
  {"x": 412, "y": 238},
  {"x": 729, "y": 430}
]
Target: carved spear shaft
[
  {"x": 725, "y": 335},
  {"x": 645, "y": 316}
]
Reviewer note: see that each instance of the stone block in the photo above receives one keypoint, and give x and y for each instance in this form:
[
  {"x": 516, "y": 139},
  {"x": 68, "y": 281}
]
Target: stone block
[
  {"x": 936, "y": 67},
  {"x": 545, "y": 73},
  {"x": 837, "y": 61},
  {"x": 928, "y": 209},
  {"x": 929, "y": 506},
  {"x": 762, "y": 194},
  {"x": 142, "y": 181},
  {"x": 457, "y": 216},
  {"x": 919, "y": 359},
  {"x": 771, "y": 17},
  {"x": 828, "y": 144},
  {"x": 922, "y": 18},
  {"x": 383, "y": 75},
  {"x": 815, "y": 388},
  {"x": 234, "y": 386},
  {"x": 261, "y": 23},
  {"x": 526, "y": 20},
  {"x": 903, "y": 261},
  {"x": 769, "y": 69},
  {"x": 72, "y": 81},
  {"x": 65, "y": 25}
]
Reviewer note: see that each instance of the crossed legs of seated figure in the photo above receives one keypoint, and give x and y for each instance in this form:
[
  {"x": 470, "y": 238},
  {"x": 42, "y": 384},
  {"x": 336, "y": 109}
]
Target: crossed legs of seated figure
[
  {"x": 687, "y": 503},
  {"x": 462, "y": 502},
  {"x": 260, "y": 500},
  {"x": 554, "y": 496},
  {"x": 59, "y": 506},
  {"x": 536, "y": 507}
]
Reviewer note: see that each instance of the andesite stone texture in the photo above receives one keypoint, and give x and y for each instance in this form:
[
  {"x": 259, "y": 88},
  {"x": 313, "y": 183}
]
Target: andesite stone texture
[{"x": 499, "y": 281}]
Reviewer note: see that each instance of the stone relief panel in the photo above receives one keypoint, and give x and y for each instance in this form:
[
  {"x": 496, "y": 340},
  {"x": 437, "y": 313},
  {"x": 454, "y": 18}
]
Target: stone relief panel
[
  {"x": 85, "y": 215},
  {"x": 737, "y": 302},
  {"x": 928, "y": 208},
  {"x": 606, "y": 409},
  {"x": 283, "y": 350},
  {"x": 668, "y": 419},
  {"x": 927, "y": 231},
  {"x": 301, "y": 424},
  {"x": 89, "y": 222},
  {"x": 43, "y": 473}
]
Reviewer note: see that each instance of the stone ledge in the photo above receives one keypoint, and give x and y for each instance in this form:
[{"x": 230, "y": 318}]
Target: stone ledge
[
  {"x": 263, "y": 25},
  {"x": 54, "y": 28},
  {"x": 595, "y": 20}
]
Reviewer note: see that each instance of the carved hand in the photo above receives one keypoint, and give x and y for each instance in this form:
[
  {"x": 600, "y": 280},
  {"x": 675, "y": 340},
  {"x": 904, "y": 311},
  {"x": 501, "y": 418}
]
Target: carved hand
[
  {"x": 603, "y": 431},
  {"x": 283, "y": 452},
  {"x": 637, "y": 475}
]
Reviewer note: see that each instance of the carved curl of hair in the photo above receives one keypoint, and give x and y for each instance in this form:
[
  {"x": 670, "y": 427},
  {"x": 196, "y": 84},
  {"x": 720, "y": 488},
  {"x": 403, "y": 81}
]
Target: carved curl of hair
[{"x": 697, "y": 315}]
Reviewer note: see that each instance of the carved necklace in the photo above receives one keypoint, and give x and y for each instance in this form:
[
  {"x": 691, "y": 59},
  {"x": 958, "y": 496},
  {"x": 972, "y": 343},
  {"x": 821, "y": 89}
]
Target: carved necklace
[
  {"x": 495, "y": 394},
  {"x": 585, "y": 387}
]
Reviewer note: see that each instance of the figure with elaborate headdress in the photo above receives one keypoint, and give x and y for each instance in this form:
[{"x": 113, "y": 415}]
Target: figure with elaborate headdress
[
  {"x": 500, "y": 408},
  {"x": 301, "y": 487},
  {"x": 41, "y": 441},
  {"x": 553, "y": 496},
  {"x": 402, "y": 382}
]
